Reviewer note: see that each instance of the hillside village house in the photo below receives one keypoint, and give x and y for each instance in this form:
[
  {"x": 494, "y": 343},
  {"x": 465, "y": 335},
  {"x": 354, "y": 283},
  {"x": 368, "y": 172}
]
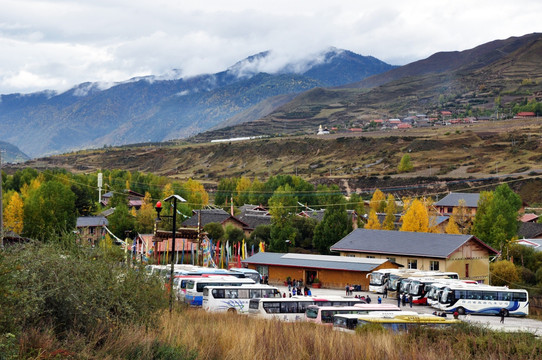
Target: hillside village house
[
  {"x": 215, "y": 216},
  {"x": 464, "y": 254},
  {"x": 331, "y": 271},
  {"x": 91, "y": 228},
  {"x": 447, "y": 204}
]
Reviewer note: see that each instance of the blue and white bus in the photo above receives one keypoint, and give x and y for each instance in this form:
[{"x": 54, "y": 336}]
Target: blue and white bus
[
  {"x": 194, "y": 287},
  {"x": 235, "y": 298},
  {"x": 483, "y": 299}
]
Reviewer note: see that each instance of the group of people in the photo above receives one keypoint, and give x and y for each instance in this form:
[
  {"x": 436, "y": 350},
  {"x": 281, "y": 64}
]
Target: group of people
[
  {"x": 404, "y": 299},
  {"x": 295, "y": 288}
]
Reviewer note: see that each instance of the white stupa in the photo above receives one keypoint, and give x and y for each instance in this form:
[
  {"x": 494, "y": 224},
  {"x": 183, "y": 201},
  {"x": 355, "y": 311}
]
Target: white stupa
[{"x": 322, "y": 131}]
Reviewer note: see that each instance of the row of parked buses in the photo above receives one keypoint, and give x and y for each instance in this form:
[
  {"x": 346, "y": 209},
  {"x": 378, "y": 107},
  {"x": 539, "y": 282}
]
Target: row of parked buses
[
  {"x": 236, "y": 291},
  {"x": 445, "y": 292}
]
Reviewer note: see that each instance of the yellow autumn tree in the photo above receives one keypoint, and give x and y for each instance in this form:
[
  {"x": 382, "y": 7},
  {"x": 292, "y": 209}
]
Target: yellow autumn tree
[
  {"x": 452, "y": 227},
  {"x": 146, "y": 215},
  {"x": 391, "y": 209},
  {"x": 167, "y": 190},
  {"x": 13, "y": 214},
  {"x": 243, "y": 191},
  {"x": 378, "y": 201},
  {"x": 462, "y": 217},
  {"x": 416, "y": 218},
  {"x": 372, "y": 222},
  {"x": 197, "y": 197},
  {"x": 34, "y": 185}
]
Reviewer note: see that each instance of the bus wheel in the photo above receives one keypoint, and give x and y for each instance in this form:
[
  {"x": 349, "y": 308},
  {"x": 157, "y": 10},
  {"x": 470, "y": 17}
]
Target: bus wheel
[
  {"x": 461, "y": 311},
  {"x": 232, "y": 311}
]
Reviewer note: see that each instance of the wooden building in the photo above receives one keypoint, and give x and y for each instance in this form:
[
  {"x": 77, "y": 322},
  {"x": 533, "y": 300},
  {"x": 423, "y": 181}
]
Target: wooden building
[
  {"x": 464, "y": 254},
  {"x": 331, "y": 271}
]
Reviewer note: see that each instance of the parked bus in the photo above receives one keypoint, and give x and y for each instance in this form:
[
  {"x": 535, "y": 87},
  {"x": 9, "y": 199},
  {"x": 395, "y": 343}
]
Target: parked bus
[
  {"x": 194, "y": 287},
  {"x": 293, "y": 309},
  {"x": 249, "y": 273},
  {"x": 235, "y": 298},
  {"x": 403, "y": 321},
  {"x": 484, "y": 299},
  {"x": 324, "y": 314}
]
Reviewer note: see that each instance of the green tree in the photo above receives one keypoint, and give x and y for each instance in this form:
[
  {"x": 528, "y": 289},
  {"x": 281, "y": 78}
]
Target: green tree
[
  {"x": 121, "y": 221},
  {"x": 503, "y": 273},
  {"x": 304, "y": 231},
  {"x": 282, "y": 206},
  {"x": 233, "y": 234},
  {"x": 405, "y": 165},
  {"x": 496, "y": 218},
  {"x": 49, "y": 211},
  {"x": 335, "y": 225},
  {"x": 215, "y": 230},
  {"x": 146, "y": 215},
  {"x": 260, "y": 233}
]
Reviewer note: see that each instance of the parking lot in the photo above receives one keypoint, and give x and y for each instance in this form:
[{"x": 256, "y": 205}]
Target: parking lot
[{"x": 492, "y": 322}]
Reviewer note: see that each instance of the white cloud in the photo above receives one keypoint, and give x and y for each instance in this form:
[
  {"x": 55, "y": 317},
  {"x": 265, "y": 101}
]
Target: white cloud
[{"x": 60, "y": 43}]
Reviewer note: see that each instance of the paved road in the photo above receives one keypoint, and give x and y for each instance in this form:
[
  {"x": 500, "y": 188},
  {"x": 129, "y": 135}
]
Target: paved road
[{"x": 492, "y": 322}]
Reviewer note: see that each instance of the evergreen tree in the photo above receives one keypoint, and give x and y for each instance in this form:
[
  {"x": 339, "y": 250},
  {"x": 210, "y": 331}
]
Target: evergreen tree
[
  {"x": 335, "y": 224},
  {"x": 282, "y": 206}
]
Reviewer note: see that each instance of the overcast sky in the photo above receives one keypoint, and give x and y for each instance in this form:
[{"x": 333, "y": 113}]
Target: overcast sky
[{"x": 57, "y": 44}]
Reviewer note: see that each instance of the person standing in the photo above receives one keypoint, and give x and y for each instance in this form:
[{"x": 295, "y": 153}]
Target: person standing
[
  {"x": 379, "y": 300},
  {"x": 398, "y": 299},
  {"x": 502, "y": 312},
  {"x": 410, "y": 300},
  {"x": 347, "y": 288},
  {"x": 385, "y": 292}
]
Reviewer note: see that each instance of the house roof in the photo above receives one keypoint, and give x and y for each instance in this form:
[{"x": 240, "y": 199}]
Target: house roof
[
  {"x": 315, "y": 261},
  {"x": 452, "y": 199},
  {"x": 254, "y": 220},
  {"x": 404, "y": 243},
  {"x": 210, "y": 216},
  {"x": 534, "y": 243},
  {"x": 107, "y": 212},
  {"x": 528, "y": 218},
  {"x": 86, "y": 221},
  {"x": 529, "y": 230}
]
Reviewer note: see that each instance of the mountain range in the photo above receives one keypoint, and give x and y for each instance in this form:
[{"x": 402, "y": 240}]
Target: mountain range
[{"x": 153, "y": 109}]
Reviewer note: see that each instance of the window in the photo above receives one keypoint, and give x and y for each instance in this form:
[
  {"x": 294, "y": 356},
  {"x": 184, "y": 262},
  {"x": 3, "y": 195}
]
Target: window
[
  {"x": 255, "y": 293},
  {"x": 370, "y": 257},
  {"x": 434, "y": 265},
  {"x": 412, "y": 263},
  {"x": 218, "y": 293}
]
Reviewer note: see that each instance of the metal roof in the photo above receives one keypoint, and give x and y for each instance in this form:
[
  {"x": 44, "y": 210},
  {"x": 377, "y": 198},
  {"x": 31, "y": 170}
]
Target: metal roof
[
  {"x": 315, "y": 261},
  {"x": 452, "y": 199},
  {"x": 85, "y": 221},
  {"x": 404, "y": 243}
]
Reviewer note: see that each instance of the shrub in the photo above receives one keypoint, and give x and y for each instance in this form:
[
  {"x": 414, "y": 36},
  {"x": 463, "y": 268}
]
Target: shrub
[{"x": 76, "y": 289}]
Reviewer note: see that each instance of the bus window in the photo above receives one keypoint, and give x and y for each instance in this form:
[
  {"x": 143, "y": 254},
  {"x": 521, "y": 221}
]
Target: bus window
[
  {"x": 271, "y": 307},
  {"x": 519, "y": 296},
  {"x": 327, "y": 316},
  {"x": 288, "y": 307},
  {"x": 312, "y": 312},
  {"x": 243, "y": 293},
  {"x": 255, "y": 293},
  {"x": 304, "y": 304},
  {"x": 218, "y": 293},
  {"x": 231, "y": 294},
  {"x": 268, "y": 293}
]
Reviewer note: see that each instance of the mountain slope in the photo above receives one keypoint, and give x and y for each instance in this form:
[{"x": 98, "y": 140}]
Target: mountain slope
[
  {"x": 467, "y": 83},
  {"x": 11, "y": 153},
  {"x": 154, "y": 109}
]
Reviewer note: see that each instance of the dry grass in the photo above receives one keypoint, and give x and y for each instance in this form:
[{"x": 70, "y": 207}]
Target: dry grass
[{"x": 201, "y": 335}]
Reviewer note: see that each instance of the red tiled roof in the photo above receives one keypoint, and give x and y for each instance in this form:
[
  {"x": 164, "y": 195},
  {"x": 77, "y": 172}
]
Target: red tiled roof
[
  {"x": 525, "y": 113},
  {"x": 528, "y": 217}
]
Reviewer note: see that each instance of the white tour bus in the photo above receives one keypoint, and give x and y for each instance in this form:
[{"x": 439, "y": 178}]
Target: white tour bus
[
  {"x": 293, "y": 309},
  {"x": 235, "y": 298},
  {"x": 324, "y": 314},
  {"x": 194, "y": 287},
  {"x": 249, "y": 273},
  {"x": 484, "y": 299}
]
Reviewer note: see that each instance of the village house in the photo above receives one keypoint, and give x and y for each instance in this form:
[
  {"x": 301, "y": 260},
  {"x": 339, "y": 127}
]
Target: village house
[
  {"x": 215, "y": 216},
  {"x": 331, "y": 271},
  {"x": 91, "y": 228},
  {"x": 447, "y": 204},
  {"x": 464, "y": 254}
]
